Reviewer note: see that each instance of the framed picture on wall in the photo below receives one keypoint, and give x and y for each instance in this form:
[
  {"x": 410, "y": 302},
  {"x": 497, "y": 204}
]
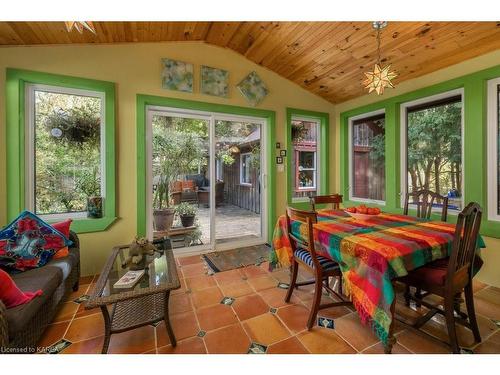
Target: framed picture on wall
[
  {"x": 214, "y": 81},
  {"x": 253, "y": 89},
  {"x": 177, "y": 75}
]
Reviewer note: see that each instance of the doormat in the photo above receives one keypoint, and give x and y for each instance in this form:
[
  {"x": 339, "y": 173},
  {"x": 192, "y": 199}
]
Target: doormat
[{"x": 220, "y": 261}]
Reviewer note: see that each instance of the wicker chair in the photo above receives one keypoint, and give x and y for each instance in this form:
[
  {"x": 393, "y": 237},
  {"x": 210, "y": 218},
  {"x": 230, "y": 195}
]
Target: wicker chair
[{"x": 25, "y": 340}]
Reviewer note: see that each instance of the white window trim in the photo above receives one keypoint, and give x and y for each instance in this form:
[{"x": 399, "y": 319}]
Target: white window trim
[
  {"x": 241, "y": 169},
  {"x": 30, "y": 145},
  {"x": 350, "y": 161},
  {"x": 314, "y": 169},
  {"x": 403, "y": 141},
  {"x": 492, "y": 147},
  {"x": 317, "y": 186}
]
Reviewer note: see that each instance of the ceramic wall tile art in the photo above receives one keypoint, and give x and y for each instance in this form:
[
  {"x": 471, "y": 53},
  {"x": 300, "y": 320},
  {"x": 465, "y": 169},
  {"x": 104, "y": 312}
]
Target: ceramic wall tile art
[
  {"x": 177, "y": 75},
  {"x": 214, "y": 81},
  {"x": 253, "y": 89}
]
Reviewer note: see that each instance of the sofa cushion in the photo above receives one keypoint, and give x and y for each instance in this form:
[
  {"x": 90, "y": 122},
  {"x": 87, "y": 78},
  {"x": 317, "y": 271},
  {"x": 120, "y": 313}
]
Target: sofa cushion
[
  {"x": 28, "y": 242},
  {"x": 48, "y": 280},
  {"x": 66, "y": 264}
]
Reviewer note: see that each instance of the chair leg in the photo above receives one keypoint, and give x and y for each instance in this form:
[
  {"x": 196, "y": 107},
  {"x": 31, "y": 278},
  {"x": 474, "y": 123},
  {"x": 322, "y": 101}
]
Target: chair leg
[
  {"x": 407, "y": 295},
  {"x": 318, "y": 287},
  {"x": 418, "y": 295},
  {"x": 469, "y": 301},
  {"x": 450, "y": 323},
  {"x": 293, "y": 279},
  {"x": 340, "y": 286}
]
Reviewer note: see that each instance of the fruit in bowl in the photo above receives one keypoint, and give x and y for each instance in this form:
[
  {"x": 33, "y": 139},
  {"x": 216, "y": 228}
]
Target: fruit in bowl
[{"x": 362, "y": 212}]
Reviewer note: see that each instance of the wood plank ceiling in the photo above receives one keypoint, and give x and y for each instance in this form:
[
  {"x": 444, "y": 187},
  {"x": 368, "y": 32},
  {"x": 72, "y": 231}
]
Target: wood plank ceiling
[{"x": 326, "y": 58}]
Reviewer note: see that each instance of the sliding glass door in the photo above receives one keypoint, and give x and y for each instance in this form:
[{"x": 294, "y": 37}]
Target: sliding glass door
[{"x": 206, "y": 179}]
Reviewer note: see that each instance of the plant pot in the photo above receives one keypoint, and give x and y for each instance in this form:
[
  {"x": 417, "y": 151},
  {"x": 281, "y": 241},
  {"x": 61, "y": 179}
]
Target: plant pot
[
  {"x": 94, "y": 207},
  {"x": 163, "y": 219},
  {"x": 187, "y": 220}
]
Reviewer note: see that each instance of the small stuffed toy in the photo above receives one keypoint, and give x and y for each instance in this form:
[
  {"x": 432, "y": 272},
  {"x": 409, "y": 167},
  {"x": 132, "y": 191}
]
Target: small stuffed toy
[{"x": 138, "y": 250}]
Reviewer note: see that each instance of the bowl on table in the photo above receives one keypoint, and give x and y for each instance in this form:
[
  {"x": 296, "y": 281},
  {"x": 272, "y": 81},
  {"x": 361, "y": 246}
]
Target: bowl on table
[{"x": 363, "y": 217}]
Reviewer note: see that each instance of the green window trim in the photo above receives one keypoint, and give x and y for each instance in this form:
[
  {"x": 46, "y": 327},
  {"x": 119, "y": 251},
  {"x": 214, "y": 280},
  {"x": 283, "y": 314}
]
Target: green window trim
[
  {"x": 148, "y": 100},
  {"x": 16, "y": 81},
  {"x": 474, "y": 141},
  {"x": 323, "y": 153}
]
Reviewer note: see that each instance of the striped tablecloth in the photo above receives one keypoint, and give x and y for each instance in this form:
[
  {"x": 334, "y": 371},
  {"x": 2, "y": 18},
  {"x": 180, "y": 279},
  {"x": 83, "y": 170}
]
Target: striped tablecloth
[{"x": 370, "y": 253}]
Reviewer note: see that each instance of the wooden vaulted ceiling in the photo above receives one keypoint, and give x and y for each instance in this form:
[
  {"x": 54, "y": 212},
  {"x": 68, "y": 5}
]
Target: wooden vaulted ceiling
[{"x": 326, "y": 58}]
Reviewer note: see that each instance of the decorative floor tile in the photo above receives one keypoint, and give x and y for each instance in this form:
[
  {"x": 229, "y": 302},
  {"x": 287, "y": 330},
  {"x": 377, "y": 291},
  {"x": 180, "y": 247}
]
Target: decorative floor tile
[
  {"x": 201, "y": 333},
  {"x": 497, "y": 322},
  {"x": 283, "y": 285},
  {"x": 326, "y": 322},
  {"x": 81, "y": 299},
  {"x": 155, "y": 324},
  {"x": 466, "y": 351},
  {"x": 227, "y": 301},
  {"x": 58, "y": 346},
  {"x": 272, "y": 310},
  {"x": 257, "y": 348}
]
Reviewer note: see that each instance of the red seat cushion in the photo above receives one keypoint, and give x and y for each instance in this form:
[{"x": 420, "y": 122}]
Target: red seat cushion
[
  {"x": 431, "y": 274},
  {"x": 11, "y": 295}
]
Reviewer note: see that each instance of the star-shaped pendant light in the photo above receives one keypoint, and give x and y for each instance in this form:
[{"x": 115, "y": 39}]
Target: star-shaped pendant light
[
  {"x": 80, "y": 26},
  {"x": 381, "y": 76}
]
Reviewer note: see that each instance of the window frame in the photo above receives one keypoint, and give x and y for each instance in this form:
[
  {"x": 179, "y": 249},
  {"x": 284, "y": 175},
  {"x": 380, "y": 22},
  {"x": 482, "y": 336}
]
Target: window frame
[
  {"x": 30, "y": 199},
  {"x": 319, "y": 151},
  {"x": 242, "y": 182},
  {"x": 404, "y": 142},
  {"x": 350, "y": 165},
  {"x": 297, "y": 170},
  {"x": 493, "y": 122},
  {"x": 17, "y": 81}
]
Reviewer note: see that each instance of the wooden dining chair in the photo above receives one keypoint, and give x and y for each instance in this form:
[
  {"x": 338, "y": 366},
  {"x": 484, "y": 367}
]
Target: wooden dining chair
[
  {"x": 424, "y": 200},
  {"x": 334, "y": 199},
  {"x": 452, "y": 276},
  {"x": 305, "y": 255}
]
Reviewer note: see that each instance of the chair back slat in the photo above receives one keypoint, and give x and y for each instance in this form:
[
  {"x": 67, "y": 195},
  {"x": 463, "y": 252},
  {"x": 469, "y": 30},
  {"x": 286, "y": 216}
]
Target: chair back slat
[
  {"x": 465, "y": 241},
  {"x": 424, "y": 201},
  {"x": 334, "y": 199},
  {"x": 308, "y": 218}
]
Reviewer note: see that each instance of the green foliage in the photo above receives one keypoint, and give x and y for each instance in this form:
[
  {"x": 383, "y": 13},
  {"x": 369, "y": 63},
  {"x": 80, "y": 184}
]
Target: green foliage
[
  {"x": 186, "y": 209},
  {"x": 377, "y": 153},
  {"x": 89, "y": 183},
  {"x": 434, "y": 148},
  {"x": 67, "y": 156}
]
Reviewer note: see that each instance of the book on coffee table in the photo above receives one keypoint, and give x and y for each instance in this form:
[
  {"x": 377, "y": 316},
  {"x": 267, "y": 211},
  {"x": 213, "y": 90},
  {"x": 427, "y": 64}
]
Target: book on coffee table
[{"x": 129, "y": 279}]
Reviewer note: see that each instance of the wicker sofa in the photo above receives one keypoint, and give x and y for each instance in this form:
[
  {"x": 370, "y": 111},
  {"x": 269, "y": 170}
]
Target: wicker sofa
[{"x": 22, "y": 326}]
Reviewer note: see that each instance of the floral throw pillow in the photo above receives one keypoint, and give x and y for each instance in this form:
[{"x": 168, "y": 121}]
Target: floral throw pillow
[{"x": 29, "y": 242}]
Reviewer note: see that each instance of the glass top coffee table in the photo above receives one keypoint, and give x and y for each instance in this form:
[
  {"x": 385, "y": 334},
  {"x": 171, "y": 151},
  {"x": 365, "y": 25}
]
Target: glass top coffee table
[{"x": 144, "y": 303}]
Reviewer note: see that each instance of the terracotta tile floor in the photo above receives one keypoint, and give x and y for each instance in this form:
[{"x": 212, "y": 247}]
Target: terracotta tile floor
[{"x": 258, "y": 319}]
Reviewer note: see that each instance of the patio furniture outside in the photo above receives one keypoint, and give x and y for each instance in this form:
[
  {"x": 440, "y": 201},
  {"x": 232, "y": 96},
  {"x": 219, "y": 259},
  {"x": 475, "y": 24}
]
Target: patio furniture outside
[{"x": 145, "y": 303}]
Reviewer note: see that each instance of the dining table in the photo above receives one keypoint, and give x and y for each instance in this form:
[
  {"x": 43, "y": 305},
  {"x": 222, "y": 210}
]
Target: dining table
[{"x": 372, "y": 253}]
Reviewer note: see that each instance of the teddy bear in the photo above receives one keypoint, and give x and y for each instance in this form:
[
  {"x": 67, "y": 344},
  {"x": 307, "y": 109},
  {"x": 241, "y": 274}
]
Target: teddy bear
[{"x": 138, "y": 249}]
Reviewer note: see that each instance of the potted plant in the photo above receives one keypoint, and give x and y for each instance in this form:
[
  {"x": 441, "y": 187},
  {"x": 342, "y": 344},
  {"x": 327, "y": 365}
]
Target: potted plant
[
  {"x": 187, "y": 213},
  {"x": 174, "y": 154},
  {"x": 89, "y": 184}
]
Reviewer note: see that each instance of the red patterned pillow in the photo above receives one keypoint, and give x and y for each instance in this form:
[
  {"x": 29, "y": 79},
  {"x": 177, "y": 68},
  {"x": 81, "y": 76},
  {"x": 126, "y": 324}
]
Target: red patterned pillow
[
  {"x": 11, "y": 295},
  {"x": 29, "y": 242},
  {"x": 62, "y": 227}
]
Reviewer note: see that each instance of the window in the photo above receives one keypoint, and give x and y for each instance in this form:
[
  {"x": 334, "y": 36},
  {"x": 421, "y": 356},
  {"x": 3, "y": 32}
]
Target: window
[
  {"x": 64, "y": 140},
  {"x": 432, "y": 146},
  {"x": 304, "y": 157},
  {"x": 367, "y": 158},
  {"x": 494, "y": 149},
  {"x": 245, "y": 169}
]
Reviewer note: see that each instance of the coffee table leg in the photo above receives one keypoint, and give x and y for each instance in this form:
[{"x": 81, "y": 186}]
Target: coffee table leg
[
  {"x": 391, "y": 340},
  {"x": 166, "y": 317},
  {"x": 107, "y": 329}
]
